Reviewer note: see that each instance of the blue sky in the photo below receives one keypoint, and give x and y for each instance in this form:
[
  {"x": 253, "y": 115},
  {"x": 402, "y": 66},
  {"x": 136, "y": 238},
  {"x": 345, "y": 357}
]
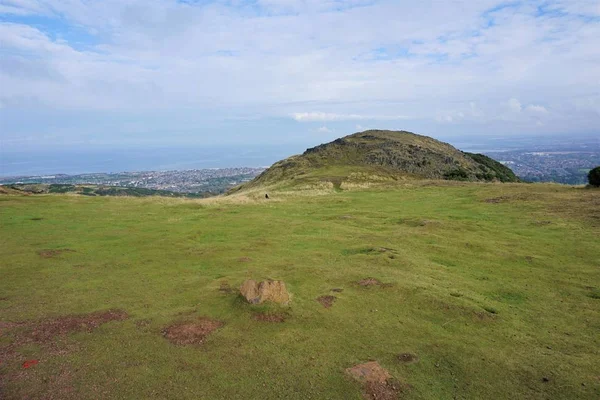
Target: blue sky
[{"x": 118, "y": 73}]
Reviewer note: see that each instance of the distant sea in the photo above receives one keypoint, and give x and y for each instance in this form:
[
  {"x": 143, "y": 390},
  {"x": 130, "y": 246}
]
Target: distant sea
[{"x": 71, "y": 161}]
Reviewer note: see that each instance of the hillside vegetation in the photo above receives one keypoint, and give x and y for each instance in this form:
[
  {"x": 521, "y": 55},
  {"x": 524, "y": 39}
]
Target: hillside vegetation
[
  {"x": 379, "y": 156},
  {"x": 459, "y": 290}
]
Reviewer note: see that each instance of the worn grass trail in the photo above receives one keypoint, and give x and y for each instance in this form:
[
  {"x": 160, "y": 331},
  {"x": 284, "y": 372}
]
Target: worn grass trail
[{"x": 494, "y": 287}]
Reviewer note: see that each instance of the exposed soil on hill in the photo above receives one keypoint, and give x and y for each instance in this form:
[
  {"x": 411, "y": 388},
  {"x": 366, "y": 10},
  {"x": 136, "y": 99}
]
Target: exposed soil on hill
[
  {"x": 49, "y": 253},
  {"x": 408, "y": 358},
  {"x": 326, "y": 301},
  {"x": 195, "y": 332}
]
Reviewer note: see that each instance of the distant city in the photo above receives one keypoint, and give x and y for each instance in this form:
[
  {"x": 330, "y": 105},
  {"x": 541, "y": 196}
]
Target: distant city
[
  {"x": 570, "y": 167},
  {"x": 549, "y": 159},
  {"x": 215, "y": 180}
]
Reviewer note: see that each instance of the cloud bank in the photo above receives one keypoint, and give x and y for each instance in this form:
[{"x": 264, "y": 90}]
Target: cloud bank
[{"x": 477, "y": 67}]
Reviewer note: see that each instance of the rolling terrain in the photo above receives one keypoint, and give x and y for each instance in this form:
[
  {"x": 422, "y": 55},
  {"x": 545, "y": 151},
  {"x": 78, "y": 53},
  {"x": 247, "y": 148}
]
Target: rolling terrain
[
  {"x": 492, "y": 289},
  {"x": 455, "y": 288}
]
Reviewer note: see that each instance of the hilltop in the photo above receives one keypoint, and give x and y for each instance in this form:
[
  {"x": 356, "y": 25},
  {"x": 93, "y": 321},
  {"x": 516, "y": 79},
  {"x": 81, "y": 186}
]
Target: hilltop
[{"x": 380, "y": 156}]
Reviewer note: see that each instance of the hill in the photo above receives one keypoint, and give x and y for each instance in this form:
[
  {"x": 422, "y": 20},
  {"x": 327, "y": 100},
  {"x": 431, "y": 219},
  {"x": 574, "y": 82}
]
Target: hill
[
  {"x": 458, "y": 290},
  {"x": 380, "y": 156}
]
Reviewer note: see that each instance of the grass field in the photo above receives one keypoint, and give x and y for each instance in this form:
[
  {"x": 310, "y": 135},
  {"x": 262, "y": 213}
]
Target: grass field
[{"x": 494, "y": 287}]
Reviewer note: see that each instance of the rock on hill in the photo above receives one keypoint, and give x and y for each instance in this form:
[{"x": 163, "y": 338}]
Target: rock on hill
[{"x": 377, "y": 155}]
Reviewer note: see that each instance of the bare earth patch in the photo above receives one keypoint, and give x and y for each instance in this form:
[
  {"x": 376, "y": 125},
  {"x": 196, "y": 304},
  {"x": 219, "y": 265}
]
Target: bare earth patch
[
  {"x": 326, "y": 301},
  {"x": 408, "y": 358},
  {"x": 49, "y": 253},
  {"x": 244, "y": 259},
  {"x": 270, "y": 317},
  {"x": 377, "y": 381},
  {"x": 46, "y": 333},
  {"x": 496, "y": 200},
  {"x": 388, "y": 390},
  {"x": 186, "y": 333},
  {"x": 43, "y": 331},
  {"x": 369, "y": 282},
  {"x": 225, "y": 288}
]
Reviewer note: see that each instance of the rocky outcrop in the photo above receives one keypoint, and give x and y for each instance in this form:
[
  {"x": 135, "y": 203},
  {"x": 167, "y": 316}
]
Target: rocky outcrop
[{"x": 269, "y": 290}]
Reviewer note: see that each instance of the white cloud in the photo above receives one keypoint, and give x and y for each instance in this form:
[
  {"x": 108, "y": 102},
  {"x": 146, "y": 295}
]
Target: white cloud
[
  {"x": 324, "y": 129},
  {"x": 456, "y": 62},
  {"x": 515, "y": 105},
  {"x": 321, "y": 116},
  {"x": 536, "y": 109}
]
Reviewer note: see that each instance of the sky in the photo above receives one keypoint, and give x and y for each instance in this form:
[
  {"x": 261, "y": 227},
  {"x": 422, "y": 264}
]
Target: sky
[{"x": 135, "y": 73}]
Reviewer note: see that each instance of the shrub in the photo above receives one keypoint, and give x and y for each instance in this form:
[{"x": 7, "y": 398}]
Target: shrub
[
  {"x": 594, "y": 177},
  {"x": 458, "y": 174}
]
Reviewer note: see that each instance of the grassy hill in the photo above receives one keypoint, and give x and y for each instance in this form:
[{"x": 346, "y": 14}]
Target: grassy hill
[
  {"x": 493, "y": 289},
  {"x": 377, "y": 156}
]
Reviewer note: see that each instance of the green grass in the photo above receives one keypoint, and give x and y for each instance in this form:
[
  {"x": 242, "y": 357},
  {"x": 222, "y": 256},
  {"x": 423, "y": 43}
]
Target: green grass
[{"x": 491, "y": 296}]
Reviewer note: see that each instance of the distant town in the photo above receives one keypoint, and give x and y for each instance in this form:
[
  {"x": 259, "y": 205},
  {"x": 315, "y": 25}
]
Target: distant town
[
  {"x": 565, "y": 166},
  {"x": 215, "y": 181},
  {"x": 560, "y": 162}
]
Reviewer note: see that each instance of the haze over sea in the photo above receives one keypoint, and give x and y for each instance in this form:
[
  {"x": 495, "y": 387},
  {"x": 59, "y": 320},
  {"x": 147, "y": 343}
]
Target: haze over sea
[{"x": 76, "y": 160}]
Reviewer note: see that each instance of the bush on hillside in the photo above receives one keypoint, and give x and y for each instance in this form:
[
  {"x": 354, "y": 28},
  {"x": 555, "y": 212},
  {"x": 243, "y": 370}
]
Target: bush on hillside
[{"x": 594, "y": 177}]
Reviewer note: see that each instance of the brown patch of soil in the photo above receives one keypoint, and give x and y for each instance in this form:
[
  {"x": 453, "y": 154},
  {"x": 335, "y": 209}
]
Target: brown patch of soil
[
  {"x": 269, "y": 317},
  {"x": 244, "y": 259},
  {"x": 408, "y": 358},
  {"x": 326, "y": 301},
  {"x": 388, "y": 390},
  {"x": 225, "y": 288},
  {"x": 49, "y": 253},
  {"x": 337, "y": 290},
  {"x": 185, "y": 333},
  {"x": 43, "y": 331},
  {"x": 377, "y": 382},
  {"x": 369, "y": 282},
  {"x": 369, "y": 372},
  {"x": 496, "y": 200},
  {"x": 36, "y": 219}
]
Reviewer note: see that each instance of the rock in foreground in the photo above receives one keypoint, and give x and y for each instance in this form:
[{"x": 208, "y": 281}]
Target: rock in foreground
[{"x": 269, "y": 290}]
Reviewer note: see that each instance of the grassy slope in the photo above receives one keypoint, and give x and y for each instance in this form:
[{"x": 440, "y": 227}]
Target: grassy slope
[
  {"x": 379, "y": 154},
  {"x": 531, "y": 257}
]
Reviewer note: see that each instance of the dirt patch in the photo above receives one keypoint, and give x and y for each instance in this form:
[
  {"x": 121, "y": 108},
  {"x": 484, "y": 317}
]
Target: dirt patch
[
  {"x": 49, "y": 253},
  {"x": 496, "y": 200},
  {"x": 36, "y": 219},
  {"x": 45, "y": 330},
  {"x": 369, "y": 372},
  {"x": 196, "y": 332},
  {"x": 408, "y": 358},
  {"x": 389, "y": 390},
  {"x": 326, "y": 301},
  {"x": 270, "y": 317},
  {"x": 369, "y": 282},
  {"x": 337, "y": 290},
  {"x": 225, "y": 288},
  {"x": 244, "y": 259},
  {"x": 377, "y": 382}
]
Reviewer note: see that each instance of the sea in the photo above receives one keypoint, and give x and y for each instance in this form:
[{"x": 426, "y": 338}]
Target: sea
[{"x": 80, "y": 161}]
